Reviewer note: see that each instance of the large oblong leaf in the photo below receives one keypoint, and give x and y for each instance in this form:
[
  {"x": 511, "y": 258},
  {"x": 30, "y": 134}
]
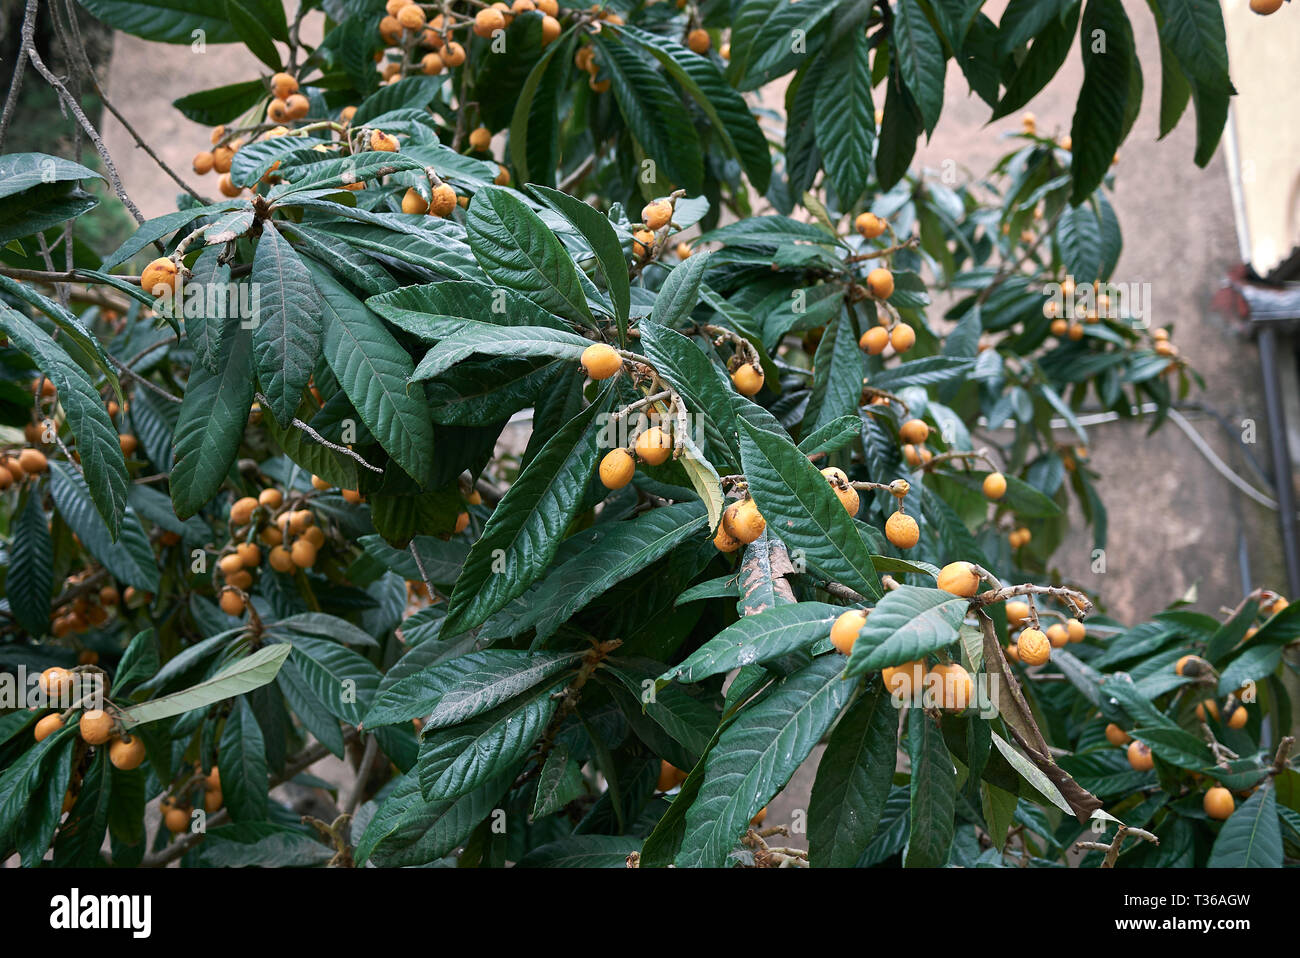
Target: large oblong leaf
[
  {"x": 211, "y": 425},
  {"x": 374, "y": 369},
  {"x": 526, "y": 526},
  {"x": 933, "y": 792},
  {"x": 755, "y": 757},
  {"x": 287, "y": 338},
  {"x": 908, "y": 623},
  {"x": 800, "y": 508},
  {"x": 1252, "y": 835},
  {"x": 487, "y": 339},
  {"x": 518, "y": 250},
  {"x": 129, "y": 556},
  {"x": 244, "y": 675},
  {"x": 30, "y": 577},
  {"x": 97, "y": 442}
]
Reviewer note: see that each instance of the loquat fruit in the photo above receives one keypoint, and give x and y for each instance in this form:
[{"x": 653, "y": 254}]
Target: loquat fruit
[
  {"x": 1140, "y": 757},
  {"x": 914, "y": 431},
  {"x": 48, "y": 726},
  {"x": 126, "y": 753},
  {"x": 743, "y": 521},
  {"x": 159, "y": 277},
  {"x": 902, "y": 530},
  {"x": 1218, "y": 802},
  {"x": 869, "y": 225},
  {"x": 1076, "y": 630},
  {"x": 303, "y": 554},
  {"x": 880, "y": 282},
  {"x": 617, "y": 469},
  {"x": 1265, "y": 8},
  {"x": 283, "y": 86},
  {"x": 748, "y": 379},
  {"x": 453, "y": 54},
  {"x": 723, "y": 541},
  {"x": 874, "y": 340},
  {"x": 442, "y": 200},
  {"x": 954, "y": 686},
  {"x": 902, "y": 338},
  {"x": 202, "y": 162},
  {"x": 383, "y": 142},
  {"x": 550, "y": 29},
  {"x": 32, "y": 461},
  {"x": 280, "y": 558},
  {"x": 1017, "y": 613},
  {"x": 1116, "y": 735},
  {"x": 1034, "y": 647},
  {"x": 96, "y": 726},
  {"x": 654, "y": 446},
  {"x": 232, "y": 603},
  {"x": 904, "y": 682},
  {"x": 699, "y": 41},
  {"x": 601, "y": 361},
  {"x": 177, "y": 820},
  {"x": 657, "y": 214},
  {"x": 297, "y": 106},
  {"x": 959, "y": 578},
  {"x": 480, "y": 139},
  {"x": 844, "y": 631},
  {"x": 995, "y": 486},
  {"x": 1058, "y": 636}
]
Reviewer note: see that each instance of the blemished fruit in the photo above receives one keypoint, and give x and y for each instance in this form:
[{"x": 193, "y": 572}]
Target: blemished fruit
[
  {"x": 617, "y": 469},
  {"x": 126, "y": 753},
  {"x": 869, "y": 225},
  {"x": 846, "y": 628},
  {"x": 242, "y": 510},
  {"x": 959, "y": 578},
  {"x": 724, "y": 541},
  {"x": 33, "y": 461},
  {"x": 1218, "y": 802},
  {"x": 902, "y": 338},
  {"x": 880, "y": 282},
  {"x": 159, "y": 277},
  {"x": 1191, "y": 666},
  {"x": 1116, "y": 735},
  {"x": 53, "y": 681},
  {"x": 1140, "y": 757},
  {"x": 743, "y": 521},
  {"x": 657, "y": 214},
  {"x": 847, "y": 495},
  {"x": 904, "y": 682},
  {"x": 914, "y": 431},
  {"x": 1017, "y": 612},
  {"x": 277, "y": 111},
  {"x": 48, "y": 726},
  {"x": 995, "y": 486},
  {"x": 283, "y": 86},
  {"x": 902, "y": 530},
  {"x": 874, "y": 340},
  {"x": 232, "y": 603},
  {"x": 1057, "y": 635},
  {"x": 601, "y": 361},
  {"x": 748, "y": 379},
  {"x": 383, "y": 142},
  {"x": 1034, "y": 647},
  {"x": 699, "y": 41},
  {"x": 96, "y": 727},
  {"x": 453, "y": 54},
  {"x": 481, "y": 137},
  {"x": 442, "y": 200},
  {"x": 412, "y": 201},
  {"x": 177, "y": 820},
  {"x": 953, "y": 684},
  {"x": 654, "y": 446}
]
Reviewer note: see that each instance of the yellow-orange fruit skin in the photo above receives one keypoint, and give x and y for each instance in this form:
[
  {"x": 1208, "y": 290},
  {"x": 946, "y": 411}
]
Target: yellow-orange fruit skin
[
  {"x": 654, "y": 446},
  {"x": 1219, "y": 803},
  {"x": 126, "y": 754},
  {"x": 47, "y": 727},
  {"x": 914, "y": 431},
  {"x": 1116, "y": 735},
  {"x": 723, "y": 541},
  {"x": 904, "y": 682},
  {"x": 995, "y": 486},
  {"x": 869, "y": 225},
  {"x": 748, "y": 379},
  {"x": 880, "y": 282},
  {"x": 601, "y": 361},
  {"x": 959, "y": 578},
  {"x": 1034, "y": 647},
  {"x": 1140, "y": 757},
  {"x": 617, "y": 469},
  {"x": 177, "y": 820},
  {"x": 96, "y": 727},
  {"x": 902, "y": 530},
  {"x": 874, "y": 340},
  {"x": 159, "y": 277},
  {"x": 1076, "y": 630},
  {"x": 902, "y": 338},
  {"x": 953, "y": 685},
  {"x": 844, "y": 632},
  {"x": 1017, "y": 612},
  {"x": 743, "y": 521},
  {"x": 669, "y": 776},
  {"x": 1058, "y": 636},
  {"x": 657, "y": 214}
]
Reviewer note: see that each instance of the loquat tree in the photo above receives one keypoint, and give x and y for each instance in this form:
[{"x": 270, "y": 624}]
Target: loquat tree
[{"x": 263, "y": 500}]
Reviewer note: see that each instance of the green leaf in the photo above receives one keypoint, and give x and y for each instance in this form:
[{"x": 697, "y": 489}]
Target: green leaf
[
  {"x": 1099, "y": 115},
  {"x": 374, "y": 370},
  {"x": 1050, "y": 48},
  {"x": 82, "y": 835},
  {"x": 1252, "y": 835},
  {"x": 486, "y": 339},
  {"x": 1193, "y": 31},
  {"x": 583, "y": 851},
  {"x": 600, "y": 236},
  {"x": 211, "y": 425},
  {"x": 907, "y": 624},
  {"x": 344, "y": 682},
  {"x": 221, "y": 104},
  {"x": 844, "y": 117},
  {"x": 920, "y": 59},
  {"x": 253, "y": 34},
  {"x": 70, "y": 326},
  {"x": 518, "y": 250},
  {"x": 933, "y": 792},
  {"x": 243, "y": 764},
  {"x": 654, "y": 114},
  {"x": 728, "y": 113},
  {"x": 408, "y": 831},
  {"x": 680, "y": 293},
  {"x": 526, "y": 526},
  {"x": 140, "y": 661},
  {"x": 757, "y": 638},
  {"x": 20, "y": 172},
  {"x": 854, "y": 779},
  {"x": 800, "y": 508},
  {"x": 97, "y": 443},
  {"x": 559, "y": 783},
  {"x": 456, "y": 760},
  {"x": 614, "y": 551},
  {"x": 29, "y": 580},
  {"x": 166, "y": 21},
  {"x": 838, "y": 373},
  {"x": 534, "y": 127},
  {"x": 243, "y": 675},
  {"x": 459, "y": 689},
  {"x": 129, "y": 556},
  {"x": 287, "y": 335},
  {"x": 755, "y": 757}
]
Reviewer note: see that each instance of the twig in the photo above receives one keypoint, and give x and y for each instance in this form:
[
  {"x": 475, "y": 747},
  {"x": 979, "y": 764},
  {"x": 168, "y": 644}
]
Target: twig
[
  {"x": 16, "y": 80},
  {"x": 344, "y": 450},
  {"x": 351, "y": 803},
  {"x": 1112, "y": 849}
]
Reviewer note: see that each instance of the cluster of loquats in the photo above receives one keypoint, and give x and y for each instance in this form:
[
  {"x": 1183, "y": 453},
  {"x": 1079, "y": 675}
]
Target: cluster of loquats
[
  {"x": 1030, "y": 643},
  {"x": 890, "y": 330},
  {"x": 85, "y": 608},
  {"x": 948, "y": 683},
  {"x": 97, "y": 727},
  {"x": 290, "y": 534},
  {"x": 177, "y": 806}
]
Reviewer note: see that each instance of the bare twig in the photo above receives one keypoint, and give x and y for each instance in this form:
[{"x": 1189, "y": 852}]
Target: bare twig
[{"x": 343, "y": 450}]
